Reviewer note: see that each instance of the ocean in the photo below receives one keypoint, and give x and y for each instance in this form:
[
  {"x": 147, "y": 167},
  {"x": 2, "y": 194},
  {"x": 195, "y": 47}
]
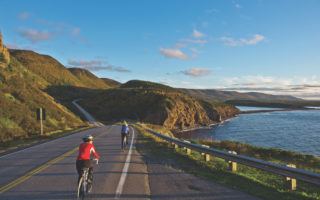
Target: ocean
[{"x": 297, "y": 130}]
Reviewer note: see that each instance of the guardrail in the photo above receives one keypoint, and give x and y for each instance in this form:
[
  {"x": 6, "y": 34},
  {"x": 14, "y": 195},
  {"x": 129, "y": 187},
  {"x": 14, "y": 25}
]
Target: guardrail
[{"x": 291, "y": 173}]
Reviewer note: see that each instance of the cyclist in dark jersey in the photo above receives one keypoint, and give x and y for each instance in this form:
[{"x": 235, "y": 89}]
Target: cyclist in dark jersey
[
  {"x": 124, "y": 133},
  {"x": 83, "y": 160}
]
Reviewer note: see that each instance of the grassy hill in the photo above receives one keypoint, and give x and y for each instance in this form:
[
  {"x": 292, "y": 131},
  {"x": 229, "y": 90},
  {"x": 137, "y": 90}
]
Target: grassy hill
[
  {"x": 46, "y": 67},
  {"x": 32, "y": 80},
  {"x": 20, "y": 95},
  {"x": 156, "y": 104},
  {"x": 112, "y": 83},
  {"x": 89, "y": 80}
]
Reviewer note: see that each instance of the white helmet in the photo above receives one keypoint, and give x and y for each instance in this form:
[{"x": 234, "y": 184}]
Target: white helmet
[{"x": 87, "y": 138}]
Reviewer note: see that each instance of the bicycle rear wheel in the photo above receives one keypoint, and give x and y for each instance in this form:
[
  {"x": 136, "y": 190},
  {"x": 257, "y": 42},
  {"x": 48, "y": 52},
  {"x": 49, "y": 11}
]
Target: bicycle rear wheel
[{"x": 80, "y": 188}]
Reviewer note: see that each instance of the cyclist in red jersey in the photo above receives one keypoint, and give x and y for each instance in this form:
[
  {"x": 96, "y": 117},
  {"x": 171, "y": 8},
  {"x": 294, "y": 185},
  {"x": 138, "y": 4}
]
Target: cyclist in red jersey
[{"x": 83, "y": 160}]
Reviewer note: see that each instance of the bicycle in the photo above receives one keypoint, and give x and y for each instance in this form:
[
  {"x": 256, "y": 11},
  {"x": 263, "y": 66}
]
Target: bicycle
[
  {"x": 83, "y": 188},
  {"x": 124, "y": 142}
]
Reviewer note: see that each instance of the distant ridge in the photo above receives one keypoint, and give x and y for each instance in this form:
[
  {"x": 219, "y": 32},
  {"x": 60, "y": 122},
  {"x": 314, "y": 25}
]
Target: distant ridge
[
  {"x": 111, "y": 82},
  {"x": 90, "y": 80},
  {"x": 221, "y": 95}
]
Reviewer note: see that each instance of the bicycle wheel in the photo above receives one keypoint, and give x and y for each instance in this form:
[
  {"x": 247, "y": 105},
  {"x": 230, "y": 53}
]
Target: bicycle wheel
[
  {"x": 124, "y": 142},
  {"x": 80, "y": 189}
]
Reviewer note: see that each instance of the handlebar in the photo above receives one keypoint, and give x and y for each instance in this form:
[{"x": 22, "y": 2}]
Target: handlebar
[{"x": 96, "y": 160}]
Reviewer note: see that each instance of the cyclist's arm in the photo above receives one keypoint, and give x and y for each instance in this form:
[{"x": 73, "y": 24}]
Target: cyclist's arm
[{"x": 94, "y": 152}]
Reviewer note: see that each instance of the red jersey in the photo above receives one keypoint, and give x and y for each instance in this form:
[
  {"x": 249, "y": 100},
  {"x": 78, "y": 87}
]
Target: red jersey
[{"x": 85, "y": 150}]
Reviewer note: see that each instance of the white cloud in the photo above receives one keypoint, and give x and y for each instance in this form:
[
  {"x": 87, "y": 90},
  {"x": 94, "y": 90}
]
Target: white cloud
[
  {"x": 194, "y": 41},
  {"x": 303, "y": 87},
  {"x": 189, "y": 44},
  {"x": 237, "y": 5},
  {"x": 24, "y": 15},
  {"x": 173, "y": 53},
  {"x": 197, "y": 34},
  {"x": 196, "y": 72},
  {"x": 255, "y": 39},
  {"x": 75, "y": 31},
  {"x": 35, "y": 36}
]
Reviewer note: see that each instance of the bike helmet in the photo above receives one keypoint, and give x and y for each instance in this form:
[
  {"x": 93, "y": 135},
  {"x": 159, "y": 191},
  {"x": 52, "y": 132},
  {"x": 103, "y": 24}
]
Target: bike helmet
[
  {"x": 87, "y": 138},
  {"x": 125, "y": 123}
]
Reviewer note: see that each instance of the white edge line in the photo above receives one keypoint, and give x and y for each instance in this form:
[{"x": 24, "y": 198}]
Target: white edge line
[{"x": 124, "y": 170}]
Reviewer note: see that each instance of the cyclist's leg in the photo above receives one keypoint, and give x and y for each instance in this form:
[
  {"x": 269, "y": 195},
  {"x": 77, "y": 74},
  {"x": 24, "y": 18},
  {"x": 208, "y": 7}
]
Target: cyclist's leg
[
  {"x": 88, "y": 164},
  {"x": 127, "y": 138},
  {"x": 122, "y": 139},
  {"x": 79, "y": 166}
]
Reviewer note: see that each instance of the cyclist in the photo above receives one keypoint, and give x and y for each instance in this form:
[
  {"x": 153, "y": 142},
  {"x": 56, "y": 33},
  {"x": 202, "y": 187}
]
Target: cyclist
[
  {"x": 124, "y": 133},
  {"x": 83, "y": 160}
]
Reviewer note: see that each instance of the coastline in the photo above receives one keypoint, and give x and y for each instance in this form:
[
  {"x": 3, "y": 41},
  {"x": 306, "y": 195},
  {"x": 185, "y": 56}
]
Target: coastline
[{"x": 210, "y": 126}]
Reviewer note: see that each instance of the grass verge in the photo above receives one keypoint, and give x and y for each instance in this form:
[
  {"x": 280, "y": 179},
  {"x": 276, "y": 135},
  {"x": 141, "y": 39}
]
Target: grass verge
[
  {"x": 253, "y": 181},
  {"x": 13, "y": 145}
]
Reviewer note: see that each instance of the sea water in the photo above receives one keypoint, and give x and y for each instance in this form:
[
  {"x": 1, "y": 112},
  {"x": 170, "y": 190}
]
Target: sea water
[{"x": 297, "y": 130}]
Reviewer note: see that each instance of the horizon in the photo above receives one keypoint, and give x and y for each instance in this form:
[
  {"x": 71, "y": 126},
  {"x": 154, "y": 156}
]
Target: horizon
[{"x": 231, "y": 45}]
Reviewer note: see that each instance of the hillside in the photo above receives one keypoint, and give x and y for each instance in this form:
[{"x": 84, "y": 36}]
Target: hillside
[
  {"x": 20, "y": 96},
  {"x": 156, "y": 104},
  {"x": 90, "y": 80},
  {"x": 112, "y": 83},
  {"x": 29, "y": 80},
  {"x": 46, "y": 67}
]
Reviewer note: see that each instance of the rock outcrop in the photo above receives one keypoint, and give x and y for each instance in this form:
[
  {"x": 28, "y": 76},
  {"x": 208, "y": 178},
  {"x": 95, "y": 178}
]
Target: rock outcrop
[
  {"x": 156, "y": 104},
  {"x": 4, "y": 54}
]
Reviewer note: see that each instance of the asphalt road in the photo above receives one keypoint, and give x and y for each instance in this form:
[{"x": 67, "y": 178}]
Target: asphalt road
[
  {"x": 47, "y": 171},
  {"x": 58, "y": 181}
]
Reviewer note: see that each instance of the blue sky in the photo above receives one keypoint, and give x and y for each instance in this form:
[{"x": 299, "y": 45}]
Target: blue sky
[{"x": 245, "y": 45}]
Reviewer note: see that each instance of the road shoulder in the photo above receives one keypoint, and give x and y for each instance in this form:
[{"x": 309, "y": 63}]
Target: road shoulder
[{"x": 168, "y": 178}]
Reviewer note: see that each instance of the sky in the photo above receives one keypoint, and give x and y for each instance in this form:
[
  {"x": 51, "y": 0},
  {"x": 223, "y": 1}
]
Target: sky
[{"x": 269, "y": 46}]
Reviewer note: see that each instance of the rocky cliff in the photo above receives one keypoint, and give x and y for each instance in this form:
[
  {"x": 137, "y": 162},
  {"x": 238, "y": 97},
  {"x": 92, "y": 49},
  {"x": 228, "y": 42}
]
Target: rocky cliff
[{"x": 4, "y": 54}]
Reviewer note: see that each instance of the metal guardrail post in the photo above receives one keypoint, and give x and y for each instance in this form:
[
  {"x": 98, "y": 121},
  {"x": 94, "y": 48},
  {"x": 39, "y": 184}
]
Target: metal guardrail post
[
  {"x": 187, "y": 149},
  {"x": 205, "y": 155},
  {"x": 232, "y": 165},
  {"x": 291, "y": 182}
]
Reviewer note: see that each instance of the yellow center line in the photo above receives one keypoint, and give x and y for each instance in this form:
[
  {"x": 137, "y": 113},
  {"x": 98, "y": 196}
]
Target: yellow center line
[
  {"x": 42, "y": 167},
  {"x": 35, "y": 171}
]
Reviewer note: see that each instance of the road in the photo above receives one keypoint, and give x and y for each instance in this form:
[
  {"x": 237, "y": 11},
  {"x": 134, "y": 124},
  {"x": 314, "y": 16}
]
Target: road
[{"x": 47, "y": 171}]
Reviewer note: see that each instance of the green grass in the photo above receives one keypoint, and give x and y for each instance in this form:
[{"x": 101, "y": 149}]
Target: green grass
[
  {"x": 253, "y": 181},
  {"x": 308, "y": 162}
]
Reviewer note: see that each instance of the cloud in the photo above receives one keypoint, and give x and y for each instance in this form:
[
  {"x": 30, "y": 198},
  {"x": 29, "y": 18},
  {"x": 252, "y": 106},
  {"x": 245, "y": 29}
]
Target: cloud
[
  {"x": 255, "y": 39},
  {"x": 189, "y": 44},
  {"x": 75, "y": 31},
  {"x": 197, "y": 34},
  {"x": 24, "y": 16},
  {"x": 193, "y": 41},
  {"x": 237, "y": 6},
  {"x": 35, "y": 36},
  {"x": 303, "y": 87},
  {"x": 196, "y": 72},
  {"x": 97, "y": 65},
  {"x": 58, "y": 28},
  {"x": 173, "y": 53}
]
